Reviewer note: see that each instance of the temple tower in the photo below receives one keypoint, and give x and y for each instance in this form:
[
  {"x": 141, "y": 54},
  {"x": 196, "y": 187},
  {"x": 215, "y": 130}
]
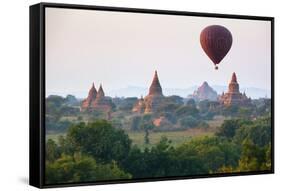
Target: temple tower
[
  {"x": 90, "y": 98},
  {"x": 155, "y": 87},
  {"x": 233, "y": 86},
  {"x": 100, "y": 93},
  {"x": 154, "y": 98},
  {"x": 233, "y": 95},
  {"x": 96, "y": 100}
]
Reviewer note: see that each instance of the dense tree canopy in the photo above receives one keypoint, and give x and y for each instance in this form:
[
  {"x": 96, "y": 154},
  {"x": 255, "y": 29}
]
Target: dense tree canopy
[
  {"x": 100, "y": 140},
  {"x": 98, "y": 151},
  {"x": 81, "y": 168}
]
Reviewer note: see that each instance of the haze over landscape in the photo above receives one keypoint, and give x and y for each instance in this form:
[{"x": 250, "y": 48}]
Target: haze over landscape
[
  {"x": 123, "y": 59},
  {"x": 137, "y": 91}
]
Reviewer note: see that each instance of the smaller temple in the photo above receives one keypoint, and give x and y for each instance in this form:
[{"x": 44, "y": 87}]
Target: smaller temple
[
  {"x": 155, "y": 96},
  {"x": 233, "y": 95},
  {"x": 139, "y": 106},
  {"x": 96, "y": 100},
  {"x": 204, "y": 92},
  {"x": 87, "y": 103}
]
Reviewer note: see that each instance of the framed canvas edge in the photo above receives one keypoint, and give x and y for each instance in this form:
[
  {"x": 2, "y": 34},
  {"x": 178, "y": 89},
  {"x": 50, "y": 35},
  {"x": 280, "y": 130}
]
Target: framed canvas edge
[
  {"x": 37, "y": 88},
  {"x": 35, "y": 97}
]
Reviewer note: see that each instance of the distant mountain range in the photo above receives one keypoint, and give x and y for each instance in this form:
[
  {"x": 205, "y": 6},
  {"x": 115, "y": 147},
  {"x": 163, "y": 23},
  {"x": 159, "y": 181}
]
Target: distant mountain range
[{"x": 136, "y": 91}]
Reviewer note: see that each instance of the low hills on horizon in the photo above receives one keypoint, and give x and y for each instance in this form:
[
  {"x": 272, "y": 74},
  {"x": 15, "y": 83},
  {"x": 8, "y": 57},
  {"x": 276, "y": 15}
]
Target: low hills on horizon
[{"x": 138, "y": 91}]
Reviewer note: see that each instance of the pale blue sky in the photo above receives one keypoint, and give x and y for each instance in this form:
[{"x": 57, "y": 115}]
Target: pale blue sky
[{"x": 123, "y": 49}]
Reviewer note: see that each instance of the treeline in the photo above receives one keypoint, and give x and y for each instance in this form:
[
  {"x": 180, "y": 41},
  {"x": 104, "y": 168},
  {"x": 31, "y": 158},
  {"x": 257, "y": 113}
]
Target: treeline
[
  {"x": 174, "y": 113},
  {"x": 58, "y": 107},
  {"x": 98, "y": 151}
]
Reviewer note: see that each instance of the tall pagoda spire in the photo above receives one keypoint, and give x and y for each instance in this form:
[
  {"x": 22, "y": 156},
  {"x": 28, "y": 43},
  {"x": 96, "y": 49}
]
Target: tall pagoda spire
[
  {"x": 90, "y": 98},
  {"x": 234, "y": 78},
  {"x": 92, "y": 94},
  {"x": 100, "y": 93},
  {"x": 233, "y": 85},
  {"x": 93, "y": 91},
  {"x": 155, "y": 87}
]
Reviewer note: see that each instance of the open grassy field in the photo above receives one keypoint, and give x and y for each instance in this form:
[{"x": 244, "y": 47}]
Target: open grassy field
[{"x": 177, "y": 137}]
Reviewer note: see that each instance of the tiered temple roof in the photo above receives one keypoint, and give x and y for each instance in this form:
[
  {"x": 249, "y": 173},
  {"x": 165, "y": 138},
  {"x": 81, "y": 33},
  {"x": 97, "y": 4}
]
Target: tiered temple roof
[
  {"x": 233, "y": 95},
  {"x": 153, "y": 99}
]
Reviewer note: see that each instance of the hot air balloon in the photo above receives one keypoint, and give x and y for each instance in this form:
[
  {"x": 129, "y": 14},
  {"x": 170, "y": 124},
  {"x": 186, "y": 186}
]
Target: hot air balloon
[{"x": 216, "y": 41}]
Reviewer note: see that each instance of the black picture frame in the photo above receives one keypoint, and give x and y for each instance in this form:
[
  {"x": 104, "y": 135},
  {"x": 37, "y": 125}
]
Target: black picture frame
[{"x": 37, "y": 91}]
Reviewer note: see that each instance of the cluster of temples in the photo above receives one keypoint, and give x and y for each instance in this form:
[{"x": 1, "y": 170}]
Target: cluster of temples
[{"x": 96, "y": 100}]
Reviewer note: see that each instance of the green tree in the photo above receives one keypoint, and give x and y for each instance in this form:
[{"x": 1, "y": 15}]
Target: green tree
[
  {"x": 228, "y": 128},
  {"x": 52, "y": 151},
  {"x": 147, "y": 125},
  {"x": 66, "y": 146},
  {"x": 81, "y": 168},
  {"x": 187, "y": 110},
  {"x": 267, "y": 164},
  {"x": 231, "y": 110},
  {"x": 186, "y": 161},
  {"x": 160, "y": 158},
  {"x": 55, "y": 100},
  {"x": 255, "y": 140},
  {"x": 153, "y": 162},
  {"x": 258, "y": 132},
  {"x": 191, "y": 103},
  {"x": 189, "y": 121},
  {"x": 252, "y": 158},
  {"x": 244, "y": 112},
  {"x": 135, "y": 123},
  {"x": 213, "y": 152},
  {"x": 127, "y": 104},
  {"x": 137, "y": 163},
  {"x": 100, "y": 140}
]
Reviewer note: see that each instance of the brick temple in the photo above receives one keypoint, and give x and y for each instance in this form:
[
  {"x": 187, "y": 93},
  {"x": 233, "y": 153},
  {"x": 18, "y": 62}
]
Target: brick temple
[
  {"x": 152, "y": 100},
  {"x": 96, "y": 100},
  {"x": 233, "y": 95}
]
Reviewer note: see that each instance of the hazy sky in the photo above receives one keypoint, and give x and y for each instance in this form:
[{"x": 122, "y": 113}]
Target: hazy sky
[{"x": 123, "y": 49}]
